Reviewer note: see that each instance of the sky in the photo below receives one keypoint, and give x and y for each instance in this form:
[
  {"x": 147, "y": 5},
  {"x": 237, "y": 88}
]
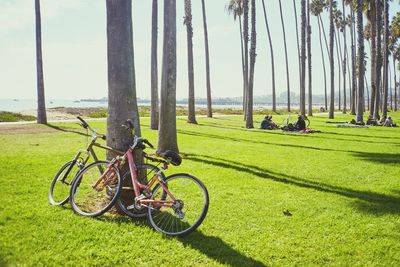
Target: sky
[{"x": 75, "y": 49}]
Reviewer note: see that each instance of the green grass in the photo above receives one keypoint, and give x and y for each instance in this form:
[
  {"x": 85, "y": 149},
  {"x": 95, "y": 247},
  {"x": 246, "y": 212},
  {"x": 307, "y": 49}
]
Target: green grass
[
  {"x": 6, "y": 116},
  {"x": 342, "y": 187}
]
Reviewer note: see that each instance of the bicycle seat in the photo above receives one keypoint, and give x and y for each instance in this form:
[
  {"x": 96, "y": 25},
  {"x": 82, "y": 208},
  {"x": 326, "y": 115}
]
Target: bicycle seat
[{"x": 172, "y": 156}]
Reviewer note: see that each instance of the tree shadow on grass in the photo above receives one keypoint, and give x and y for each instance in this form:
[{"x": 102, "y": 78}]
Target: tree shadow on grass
[
  {"x": 66, "y": 129},
  {"x": 383, "y": 158},
  {"x": 211, "y": 246},
  {"x": 372, "y": 202}
]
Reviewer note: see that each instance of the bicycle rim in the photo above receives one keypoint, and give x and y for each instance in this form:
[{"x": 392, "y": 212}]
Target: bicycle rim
[
  {"x": 188, "y": 211},
  {"x": 61, "y": 184},
  {"x": 89, "y": 201}
]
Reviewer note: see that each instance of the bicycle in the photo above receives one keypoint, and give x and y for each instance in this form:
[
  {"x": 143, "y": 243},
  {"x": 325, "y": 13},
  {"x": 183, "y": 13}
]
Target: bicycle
[
  {"x": 60, "y": 186},
  {"x": 175, "y": 206}
]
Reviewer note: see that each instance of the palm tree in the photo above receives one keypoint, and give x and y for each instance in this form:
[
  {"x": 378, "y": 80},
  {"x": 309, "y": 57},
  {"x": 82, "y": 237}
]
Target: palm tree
[
  {"x": 272, "y": 59},
  {"x": 298, "y": 47},
  {"x": 249, "y": 102},
  {"x": 187, "y": 20},
  {"x": 122, "y": 103},
  {"x": 332, "y": 63},
  {"x": 154, "y": 69},
  {"x": 385, "y": 57},
  {"x": 309, "y": 60},
  {"x": 337, "y": 19},
  {"x": 245, "y": 4},
  {"x": 303, "y": 57},
  {"x": 378, "y": 24},
  {"x": 286, "y": 57},
  {"x": 235, "y": 7},
  {"x": 209, "y": 107},
  {"x": 344, "y": 57},
  {"x": 360, "y": 27},
  {"x": 41, "y": 108},
  {"x": 317, "y": 7},
  {"x": 167, "y": 137}
]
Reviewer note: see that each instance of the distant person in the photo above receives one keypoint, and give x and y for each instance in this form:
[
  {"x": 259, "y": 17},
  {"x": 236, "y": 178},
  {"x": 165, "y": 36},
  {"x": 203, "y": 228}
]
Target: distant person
[
  {"x": 382, "y": 121},
  {"x": 274, "y": 126},
  {"x": 371, "y": 121},
  {"x": 265, "y": 123},
  {"x": 389, "y": 122},
  {"x": 300, "y": 124},
  {"x": 322, "y": 109}
]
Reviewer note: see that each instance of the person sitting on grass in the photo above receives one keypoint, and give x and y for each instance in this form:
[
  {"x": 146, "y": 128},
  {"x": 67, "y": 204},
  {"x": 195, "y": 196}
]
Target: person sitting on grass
[
  {"x": 371, "y": 121},
  {"x": 389, "y": 122},
  {"x": 382, "y": 121},
  {"x": 268, "y": 124},
  {"x": 300, "y": 124}
]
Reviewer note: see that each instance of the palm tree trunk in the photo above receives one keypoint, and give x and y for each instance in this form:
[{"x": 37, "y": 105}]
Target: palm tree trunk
[
  {"x": 122, "y": 103},
  {"x": 249, "y": 110},
  {"x": 167, "y": 137},
  {"x": 41, "y": 104},
  {"x": 325, "y": 39},
  {"x": 272, "y": 59},
  {"x": 338, "y": 49},
  {"x": 385, "y": 58},
  {"x": 360, "y": 28},
  {"x": 245, "y": 4},
  {"x": 209, "y": 106},
  {"x": 286, "y": 58},
  {"x": 154, "y": 68},
  {"x": 353, "y": 64},
  {"x": 189, "y": 32},
  {"x": 309, "y": 60},
  {"x": 332, "y": 62},
  {"x": 395, "y": 82},
  {"x": 298, "y": 46},
  {"x": 390, "y": 87},
  {"x": 373, "y": 56},
  {"x": 323, "y": 63},
  {"x": 243, "y": 73},
  {"x": 366, "y": 86},
  {"x": 378, "y": 58},
  {"x": 303, "y": 57},
  {"x": 344, "y": 61}
]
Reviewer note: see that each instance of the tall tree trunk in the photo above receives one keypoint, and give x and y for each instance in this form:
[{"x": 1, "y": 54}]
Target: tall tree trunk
[
  {"x": 323, "y": 64},
  {"x": 243, "y": 73},
  {"x": 286, "y": 58},
  {"x": 385, "y": 77},
  {"x": 122, "y": 103},
  {"x": 332, "y": 62},
  {"x": 372, "y": 17},
  {"x": 209, "y": 106},
  {"x": 366, "y": 86},
  {"x": 360, "y": 102},
  {"x": 378, "y": 58},
  {"x": 298, "y": 47},
  {"x": 189, "y": 32},
  {"x": 303, "y": 57},
  {"x": 41, "y": 104},
  {"x": 249, "y": 112},
  {"x": 339, "y": 58},
  {"x": 245, "y": 4},
  {"x": 353, "y": 64},
  {"x": 309, "y": 60},
  {"x": 154, "y": 68},
  {"x": 395, "y": 82},
  {"x": 323, "y": 31},
  {"x": 344, "y": 61},
  {"x": 167, "y": 137},
  {"x": 390, "y": 87},
  {"x": 272, "y": 59}
]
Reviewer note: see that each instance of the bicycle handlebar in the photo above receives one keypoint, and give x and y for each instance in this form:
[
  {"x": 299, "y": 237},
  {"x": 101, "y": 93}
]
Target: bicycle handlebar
[{"x": 94, "y": 132}]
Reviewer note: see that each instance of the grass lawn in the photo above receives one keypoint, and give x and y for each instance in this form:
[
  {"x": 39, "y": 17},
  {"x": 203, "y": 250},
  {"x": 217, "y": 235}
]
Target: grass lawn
[{"x": 341, "y": 187}]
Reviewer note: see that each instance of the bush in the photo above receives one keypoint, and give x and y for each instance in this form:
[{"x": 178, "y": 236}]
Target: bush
[{"x": 6, "y": 116}]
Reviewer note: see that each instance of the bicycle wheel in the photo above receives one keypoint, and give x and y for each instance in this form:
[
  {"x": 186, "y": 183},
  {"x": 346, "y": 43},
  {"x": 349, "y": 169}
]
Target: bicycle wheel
[
  {"x": 90, "y": 200},
  {"x": 61, "y": 184},
  {"x": 126, "y": 201},
  {"x": 186, "y": 213}
]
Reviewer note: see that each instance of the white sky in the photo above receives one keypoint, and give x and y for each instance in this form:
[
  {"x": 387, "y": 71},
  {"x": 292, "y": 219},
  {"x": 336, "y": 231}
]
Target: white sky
[{"x": 74, "y": 49}]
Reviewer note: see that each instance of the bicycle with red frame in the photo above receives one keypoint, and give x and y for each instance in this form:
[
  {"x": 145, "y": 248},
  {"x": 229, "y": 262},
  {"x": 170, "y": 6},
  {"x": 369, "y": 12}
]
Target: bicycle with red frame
[{"x": 175, "y": 205}]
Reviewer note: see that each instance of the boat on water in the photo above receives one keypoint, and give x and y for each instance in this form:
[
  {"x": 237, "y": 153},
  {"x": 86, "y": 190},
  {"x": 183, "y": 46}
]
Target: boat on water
[
  {"x": 77, "y": 101},
  {"x": 16, "y": 100}
]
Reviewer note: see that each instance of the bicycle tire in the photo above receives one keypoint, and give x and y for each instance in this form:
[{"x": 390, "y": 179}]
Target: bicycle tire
[
  {"x": 59, "y": 190},
  {"x": 124, "y": 201},
  {"x": 176, "y": 221},
  {"x": 87, "y": 201}
]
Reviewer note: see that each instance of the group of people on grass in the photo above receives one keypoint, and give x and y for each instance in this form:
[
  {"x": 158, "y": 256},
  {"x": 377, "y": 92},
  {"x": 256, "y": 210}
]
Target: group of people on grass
[
  {"x": 268, "y": 124},
  {"x": 385, "y": 121}
]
